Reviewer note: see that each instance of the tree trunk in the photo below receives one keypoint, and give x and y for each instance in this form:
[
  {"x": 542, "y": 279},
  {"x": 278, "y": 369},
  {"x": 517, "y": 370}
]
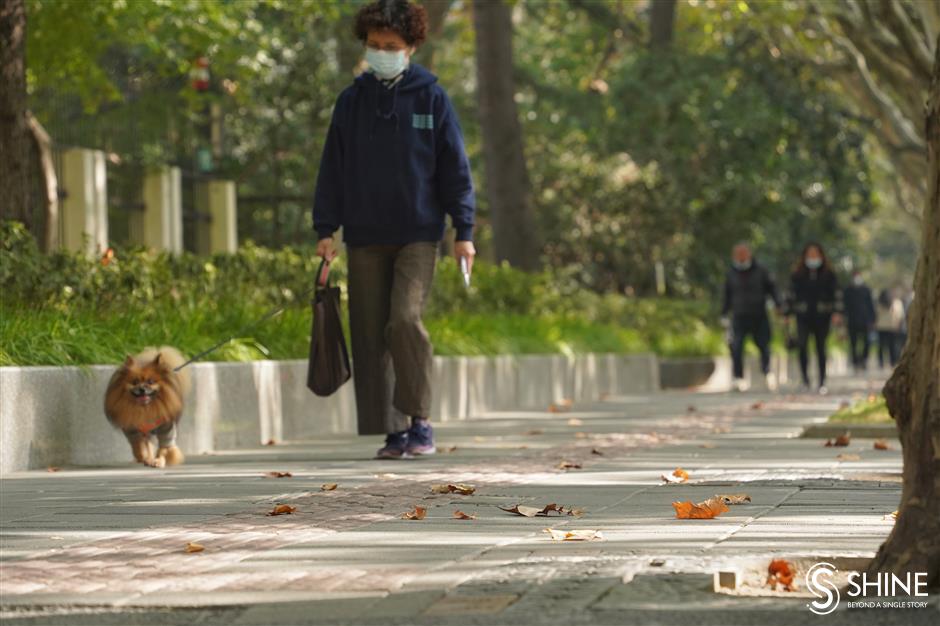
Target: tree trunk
[
  {"x": 507, "y": 181},
  {"x": 50, "y": 183},
  {"x": 14, "y": 133},
  {"x": 662, "y": 23},
  {"x": 913, "y": 391}
]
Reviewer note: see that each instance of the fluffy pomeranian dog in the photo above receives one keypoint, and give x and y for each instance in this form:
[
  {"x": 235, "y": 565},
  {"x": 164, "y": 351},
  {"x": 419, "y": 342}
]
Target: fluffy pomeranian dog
[{"x": 145, "y": 400}]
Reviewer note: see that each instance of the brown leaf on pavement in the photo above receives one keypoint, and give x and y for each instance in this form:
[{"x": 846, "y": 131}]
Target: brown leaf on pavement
[
  {"x": 270, "y": 442},
  {"x": 193, "y": 547},
  {"x": 462, "y": 515},
  {"x": 328, "y": 487},
  {"x": 464, "y": 490},
  {"x": 566, "y": 465},
  {"x": 282, "y": 509},
  {"x": 734, "y": 498},
  {"x": 574, "y": 421},
  {"x": 534, "y": 431},
  {"x": 780, "y": 572},
  {"x": 707, "y": 509},
  {"x": 418, "y": 513},
  {"x": 709, "y": 445},
  {"x": 690, "y": 409},
  {"x": 848, "y": 457},
  {"x": 678, "y": 475},
  {"x": 580, "y": 435},
  {"x": 841, "y": 441},
  {"x": 757, "y": 405},
  {"x": 597, "y": 452},
  {"x": 881, "y": 444},
  {"x": 574, "y": 535},
  {"x": 278, "y": 475},
  {"x": 53, "y": 468},
  {"x": 531, "y": 511}
]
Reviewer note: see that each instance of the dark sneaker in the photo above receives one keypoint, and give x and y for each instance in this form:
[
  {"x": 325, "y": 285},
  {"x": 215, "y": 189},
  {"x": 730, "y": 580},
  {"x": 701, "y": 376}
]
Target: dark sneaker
[
  {"x": 396, "y": 445},
  {"x": 420, "y": 438}
]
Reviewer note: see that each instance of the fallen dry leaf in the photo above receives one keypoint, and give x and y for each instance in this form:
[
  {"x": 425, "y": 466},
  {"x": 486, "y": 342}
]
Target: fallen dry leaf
[
  {"x": 464, "y": 490},
  {"x": 881, "y": 444},
  {"x": 839, "y": 442},
  {"x": 848, "y": 457},
  {"x": 53, "y": 468},
  {"x": 580, "y": 435},
  {"x": 690, "y": 409},
  {"x": 531, "y": 511},
  {"x": 872, "y": 397},
  {"x": 574, "y": 535},
  {"x": 780, "y": 572},
  {"x": 734, "y": 498},
  {"x": 278, "y": 475},
  {"x": 893, "y": 515},
  {"x": 282, "y": 509},
  {"x": 678, "y": 475},
  {"x": 566, "y": 465},
  {"x": 709, "y": 445},
  {"x": 757, "y": 405},
  {"x": 418, "y": 513},
  {"x": 707, "y": 509},
  {"x": 844, "y": 404},
  {"x": 270, "y": 442},
  {"x": 194, "y": 547},
  {"x": 574, "y": 421},
  {"x": 597, "y": 452},
  {"x": 479, "y": 439},
  {"x": 328, "y": 487},
  {"x": 462, "y": 515},
  {"x": 534, "y": 431}
]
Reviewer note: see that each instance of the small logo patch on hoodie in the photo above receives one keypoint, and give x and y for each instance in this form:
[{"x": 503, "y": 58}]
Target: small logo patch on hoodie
[{"x": 422, "y": 121}]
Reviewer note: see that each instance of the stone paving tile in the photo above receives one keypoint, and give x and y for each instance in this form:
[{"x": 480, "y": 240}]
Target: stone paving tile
[{"x": 353, "y": 540}]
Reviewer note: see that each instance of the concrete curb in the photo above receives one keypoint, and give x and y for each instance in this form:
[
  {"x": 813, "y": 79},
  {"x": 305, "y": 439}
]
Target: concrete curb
[
  {"x": 53, "y": 415},
  {"x": 830, "y": 430}
]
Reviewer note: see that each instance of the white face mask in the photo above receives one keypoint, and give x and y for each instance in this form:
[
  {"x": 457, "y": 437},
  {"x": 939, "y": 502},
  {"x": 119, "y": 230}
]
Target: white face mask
[
  {"x": 386, "y": 64},
  {"x": 814, "y": 264},
  {"x": 742, "y": 265},
  {"x": 858, "y": 280}
]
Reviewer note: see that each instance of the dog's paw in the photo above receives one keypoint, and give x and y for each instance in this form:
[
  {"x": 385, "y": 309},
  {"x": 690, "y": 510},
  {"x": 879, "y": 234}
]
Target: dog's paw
[
  {"x": 158, "y": 462},
  {"x": 172, "y": 455}
]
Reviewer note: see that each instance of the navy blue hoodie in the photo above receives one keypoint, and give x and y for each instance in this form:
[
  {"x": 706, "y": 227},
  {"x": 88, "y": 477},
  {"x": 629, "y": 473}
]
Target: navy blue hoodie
[{"x": 394, "y": 163}]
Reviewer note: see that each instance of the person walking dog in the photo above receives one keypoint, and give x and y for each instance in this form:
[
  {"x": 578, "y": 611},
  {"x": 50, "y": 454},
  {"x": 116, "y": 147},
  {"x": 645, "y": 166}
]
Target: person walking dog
[{"x": 393, "y": 166}]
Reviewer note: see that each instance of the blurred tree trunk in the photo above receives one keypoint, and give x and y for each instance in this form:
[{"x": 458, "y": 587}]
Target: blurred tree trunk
[
  {"x": 507, "y": 182},
  {"x": 662, "y": 23},
  {"x": 14, "y": 132},
  {"x": 437, "y": 12},
  {"x": 913, "y": 391}
]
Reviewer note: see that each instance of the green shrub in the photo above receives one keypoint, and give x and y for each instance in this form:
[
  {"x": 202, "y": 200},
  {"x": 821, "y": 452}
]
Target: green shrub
[{"x": 66, "y": 308}]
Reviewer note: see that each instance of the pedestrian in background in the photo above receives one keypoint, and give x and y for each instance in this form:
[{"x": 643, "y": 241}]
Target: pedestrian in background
[
  {"x": 748, "y": 285},
  {"x": 860, "y": 318},
  {"x": 889, "y": 324},
  {"x": 814, "y": 300}
]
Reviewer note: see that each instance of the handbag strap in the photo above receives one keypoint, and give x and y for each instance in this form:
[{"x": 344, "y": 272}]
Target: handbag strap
[{"x": 323, "y": 274}]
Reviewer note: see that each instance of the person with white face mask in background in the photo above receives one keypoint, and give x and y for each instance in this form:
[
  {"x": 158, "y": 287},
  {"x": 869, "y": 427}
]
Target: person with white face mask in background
[
  {"x": 748, "y": 285},
  {"x": 814, "y": 299}
]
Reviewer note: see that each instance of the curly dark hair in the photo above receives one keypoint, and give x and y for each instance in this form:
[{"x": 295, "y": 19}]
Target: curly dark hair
[{"x": 402, "y": 16}]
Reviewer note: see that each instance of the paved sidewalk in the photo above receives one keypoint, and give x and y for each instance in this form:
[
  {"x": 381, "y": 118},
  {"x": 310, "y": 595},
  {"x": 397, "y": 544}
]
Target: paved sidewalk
[{"x": 106, "y": 545}]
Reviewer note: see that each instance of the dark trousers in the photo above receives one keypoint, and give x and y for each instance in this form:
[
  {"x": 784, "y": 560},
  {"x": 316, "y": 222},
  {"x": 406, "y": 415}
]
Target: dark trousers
[
  {"x": 391, "y": 350},
  {"x": 758, "y": 327},
  {"x": 816, "y": 326},
  {"x": 859, "y": 346},
  {"x": 889, "y": 347}
]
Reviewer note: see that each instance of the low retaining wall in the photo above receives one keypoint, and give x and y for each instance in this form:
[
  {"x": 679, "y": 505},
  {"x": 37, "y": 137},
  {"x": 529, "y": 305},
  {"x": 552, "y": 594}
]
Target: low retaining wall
[{"x": 54, "y": 415}]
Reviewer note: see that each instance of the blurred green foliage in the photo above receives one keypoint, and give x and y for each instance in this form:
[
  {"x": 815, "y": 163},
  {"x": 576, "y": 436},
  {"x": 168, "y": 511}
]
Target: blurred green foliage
[
  {"x": 67, "y": 309},
  {"x": 635, "y": 157}
]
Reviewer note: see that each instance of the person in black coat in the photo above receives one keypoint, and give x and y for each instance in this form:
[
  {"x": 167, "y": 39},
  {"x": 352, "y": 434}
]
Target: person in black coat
[
  {"x": 860, "y": 318},
  {"x": 747, "y": 287},
  {"x": 814, "y": 299}
]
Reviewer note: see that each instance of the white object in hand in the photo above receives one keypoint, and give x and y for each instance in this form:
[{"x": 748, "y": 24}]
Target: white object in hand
[{"x": 464, "y": 269}]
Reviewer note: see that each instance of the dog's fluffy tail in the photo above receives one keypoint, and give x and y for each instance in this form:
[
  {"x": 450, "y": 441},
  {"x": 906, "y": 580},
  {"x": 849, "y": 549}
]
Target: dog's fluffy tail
[{"x": 171, "y": 358}]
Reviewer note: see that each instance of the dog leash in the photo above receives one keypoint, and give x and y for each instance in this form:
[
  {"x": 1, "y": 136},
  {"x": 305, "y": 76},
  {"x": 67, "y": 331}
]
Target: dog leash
[{"x": 323, "y": 274}]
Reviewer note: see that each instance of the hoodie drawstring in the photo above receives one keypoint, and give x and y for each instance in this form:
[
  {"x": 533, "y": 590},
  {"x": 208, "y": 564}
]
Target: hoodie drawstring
[{"x": 392, "y": 112}]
